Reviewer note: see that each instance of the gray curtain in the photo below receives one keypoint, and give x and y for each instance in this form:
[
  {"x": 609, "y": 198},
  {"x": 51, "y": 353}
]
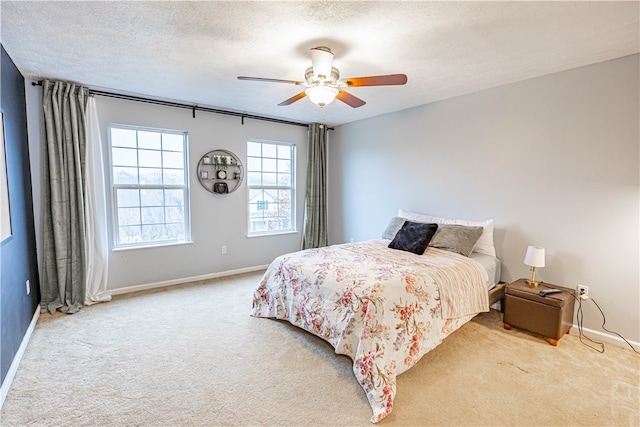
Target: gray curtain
[
  {"x": 63, "y": 281},
  {"x": 315, "y": 213}
]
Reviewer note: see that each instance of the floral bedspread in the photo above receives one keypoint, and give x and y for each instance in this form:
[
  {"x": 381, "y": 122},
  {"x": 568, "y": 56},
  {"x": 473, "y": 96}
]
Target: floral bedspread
[{"x": 382, "y": 307}]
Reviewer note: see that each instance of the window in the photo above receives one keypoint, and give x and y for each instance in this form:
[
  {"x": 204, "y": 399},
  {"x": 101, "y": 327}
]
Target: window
[
  {"x": 271, "y": 184},
  {"x": 149, "y": 186}
]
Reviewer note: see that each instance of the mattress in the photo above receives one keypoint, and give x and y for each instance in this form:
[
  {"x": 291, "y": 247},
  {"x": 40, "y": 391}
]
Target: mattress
[{"x": 492, "y": 265}]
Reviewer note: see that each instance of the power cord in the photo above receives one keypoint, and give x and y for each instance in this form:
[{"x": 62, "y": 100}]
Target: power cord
[
  {"x": 581, "y": 335},
  {"x": 579, "y": 317},
  {"x": 604, "y": 320}
]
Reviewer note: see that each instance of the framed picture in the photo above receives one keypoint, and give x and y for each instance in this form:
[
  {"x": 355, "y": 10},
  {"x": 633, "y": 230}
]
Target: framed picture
[
  {"x": 204, "y": 175},
  {"x": 5, "y": 212}
]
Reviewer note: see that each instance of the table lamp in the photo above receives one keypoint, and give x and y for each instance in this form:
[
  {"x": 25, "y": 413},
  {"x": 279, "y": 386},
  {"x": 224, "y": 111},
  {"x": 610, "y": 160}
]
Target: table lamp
[{"x": 534, "y": 258}]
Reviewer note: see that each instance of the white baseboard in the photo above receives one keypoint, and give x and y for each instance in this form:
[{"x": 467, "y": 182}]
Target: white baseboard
[
  {"x": 605, "y": 337},
  {"x": 8, "y": 380},
  {"x": 163, "y": 284}
]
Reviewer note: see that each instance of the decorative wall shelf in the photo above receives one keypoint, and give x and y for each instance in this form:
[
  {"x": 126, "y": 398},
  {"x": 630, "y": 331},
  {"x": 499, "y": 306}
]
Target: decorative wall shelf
[{"x": 220, "y": 172}]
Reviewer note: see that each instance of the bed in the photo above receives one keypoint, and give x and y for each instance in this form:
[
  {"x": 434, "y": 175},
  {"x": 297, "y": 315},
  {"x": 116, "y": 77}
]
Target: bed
[{"x": 383, "y": 307}]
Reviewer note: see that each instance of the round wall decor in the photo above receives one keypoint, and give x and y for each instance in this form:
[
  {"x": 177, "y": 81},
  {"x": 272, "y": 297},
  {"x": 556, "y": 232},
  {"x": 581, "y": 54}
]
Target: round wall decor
[{"x": 220, "y": 172}]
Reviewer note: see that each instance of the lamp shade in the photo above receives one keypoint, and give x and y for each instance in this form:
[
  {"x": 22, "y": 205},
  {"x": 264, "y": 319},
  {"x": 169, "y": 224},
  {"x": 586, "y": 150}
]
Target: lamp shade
[
  {"x": 534, "y": 256},
  {"x": 321, "y": 95}
]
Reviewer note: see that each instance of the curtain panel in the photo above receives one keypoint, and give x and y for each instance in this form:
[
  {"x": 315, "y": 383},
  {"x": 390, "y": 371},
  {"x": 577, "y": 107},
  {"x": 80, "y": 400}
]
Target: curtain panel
[
  {"x": 315, "y": 214},
  {"x": 97, "y": 249},
  {"x": 64, "y": 261}
]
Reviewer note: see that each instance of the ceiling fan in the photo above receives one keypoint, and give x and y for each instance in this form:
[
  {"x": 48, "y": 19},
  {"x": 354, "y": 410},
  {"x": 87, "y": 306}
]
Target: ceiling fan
[{"x": 323, "y": 83}]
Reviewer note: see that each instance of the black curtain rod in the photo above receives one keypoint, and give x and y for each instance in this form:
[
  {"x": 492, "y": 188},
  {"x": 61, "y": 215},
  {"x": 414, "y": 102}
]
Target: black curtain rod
[{"x": 187, "y": 106}]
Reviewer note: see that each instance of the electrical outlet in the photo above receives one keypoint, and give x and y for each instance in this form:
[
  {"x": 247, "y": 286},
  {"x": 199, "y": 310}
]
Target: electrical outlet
[
  {"x": 28, "y": 287},
  {"x": 583, "y": 291},
  {"x": 224, "y": 249}
]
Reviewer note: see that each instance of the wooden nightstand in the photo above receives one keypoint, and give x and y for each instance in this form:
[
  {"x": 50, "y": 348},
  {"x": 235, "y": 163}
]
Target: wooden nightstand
[
  {"x": 550, "y": 316},
  {"x": 496, "y": 294}
]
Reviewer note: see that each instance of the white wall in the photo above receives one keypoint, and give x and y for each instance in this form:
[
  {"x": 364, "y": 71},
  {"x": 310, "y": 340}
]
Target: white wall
[
  {"x": 554, "y": 160},
  {"x": 215, "y": 220}
]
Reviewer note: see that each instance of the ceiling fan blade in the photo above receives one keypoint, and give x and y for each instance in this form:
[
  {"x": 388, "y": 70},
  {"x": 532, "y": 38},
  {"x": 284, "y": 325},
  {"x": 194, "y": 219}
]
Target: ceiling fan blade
[
  {"x": 292, "y": 99},
  {"x": 388, "y": 80},
  {"x": 350, "y": 100},
  {"x": 261, "y": 79}
]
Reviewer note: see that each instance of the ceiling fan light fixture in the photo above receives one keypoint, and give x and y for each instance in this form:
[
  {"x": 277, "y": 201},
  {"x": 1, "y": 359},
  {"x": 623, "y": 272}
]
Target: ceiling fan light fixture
[
  {"x": 322, "y": 60},
  {"x": 322, "y": 95}
]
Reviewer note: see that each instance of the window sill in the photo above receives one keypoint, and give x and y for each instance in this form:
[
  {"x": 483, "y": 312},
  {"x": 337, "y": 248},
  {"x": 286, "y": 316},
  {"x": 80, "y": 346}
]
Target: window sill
[
  {"x": 151, "y": 246},
  {"x": 271, "y": 234}
]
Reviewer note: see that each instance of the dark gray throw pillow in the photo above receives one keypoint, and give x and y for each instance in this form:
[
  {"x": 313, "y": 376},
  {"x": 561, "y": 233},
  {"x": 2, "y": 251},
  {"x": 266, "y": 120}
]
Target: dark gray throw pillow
[
  {"x": 414, "y": 237},
  {"x": 394, "y": 226},
  {"x": 456, "y": 238}
]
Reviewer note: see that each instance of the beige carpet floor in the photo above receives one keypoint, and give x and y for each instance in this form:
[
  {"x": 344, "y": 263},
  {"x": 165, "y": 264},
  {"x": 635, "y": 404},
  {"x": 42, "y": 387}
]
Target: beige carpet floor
[{"x": 191, "y": 355}]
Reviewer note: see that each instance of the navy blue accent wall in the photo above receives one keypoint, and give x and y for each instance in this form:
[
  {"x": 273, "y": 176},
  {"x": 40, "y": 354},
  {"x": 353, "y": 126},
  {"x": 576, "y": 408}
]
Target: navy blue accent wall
[{"x": 17, "y": 253}]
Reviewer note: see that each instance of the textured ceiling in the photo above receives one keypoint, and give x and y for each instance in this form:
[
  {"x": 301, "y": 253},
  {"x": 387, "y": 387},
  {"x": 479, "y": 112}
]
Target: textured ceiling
[{"x": 192, "y": 52}]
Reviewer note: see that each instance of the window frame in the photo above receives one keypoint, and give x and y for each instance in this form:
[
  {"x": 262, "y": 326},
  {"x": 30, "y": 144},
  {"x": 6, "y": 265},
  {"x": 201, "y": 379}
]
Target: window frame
[
  {"x": 292, "y": 187},
  {"x": 185, "y": 187}
]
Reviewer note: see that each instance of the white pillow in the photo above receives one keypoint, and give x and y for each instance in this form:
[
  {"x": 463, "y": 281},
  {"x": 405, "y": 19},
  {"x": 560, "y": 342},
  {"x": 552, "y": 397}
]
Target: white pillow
[{"x": 484, "y": 245}]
